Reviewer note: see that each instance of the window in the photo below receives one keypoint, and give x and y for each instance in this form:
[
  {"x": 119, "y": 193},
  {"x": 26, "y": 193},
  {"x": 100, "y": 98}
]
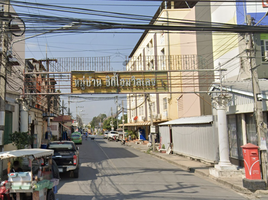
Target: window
[
  {"x": 162, "y": 60},
  {"x": 165, "y": 103},
  {"x": 264, "y": 50},
  {"x": 150, "y": 47},
  {"x": 141, "y": 111},
  {"x": 8, "y": 127},
  {"x": 153, "y": 107}
]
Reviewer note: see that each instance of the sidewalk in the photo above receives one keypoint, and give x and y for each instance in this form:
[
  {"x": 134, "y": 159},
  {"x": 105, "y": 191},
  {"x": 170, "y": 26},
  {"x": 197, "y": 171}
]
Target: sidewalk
[{"x": 198, "y": 168}]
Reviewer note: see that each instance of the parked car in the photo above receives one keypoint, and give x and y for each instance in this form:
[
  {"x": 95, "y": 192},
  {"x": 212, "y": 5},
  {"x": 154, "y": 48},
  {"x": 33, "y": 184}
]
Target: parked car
[
  {"x": 105, "y": 135},
  {"x": 66, "y": 155},
  {"x": 113, "y": 135},
  {"x": 76, "y": 137}
]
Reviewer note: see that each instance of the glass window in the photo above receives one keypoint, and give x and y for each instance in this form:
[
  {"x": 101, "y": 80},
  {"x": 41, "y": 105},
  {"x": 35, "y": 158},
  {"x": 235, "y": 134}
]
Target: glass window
[
  {"x": 232, "y": 131},
  {"x": 251, "y": 129},
  {"x": 264, "y": 50},
  {"x": 165, "y": 103}
]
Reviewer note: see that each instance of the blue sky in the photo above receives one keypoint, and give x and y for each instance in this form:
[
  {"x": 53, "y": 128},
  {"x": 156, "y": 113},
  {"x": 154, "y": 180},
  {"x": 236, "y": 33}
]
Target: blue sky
[{"x": 114, "y": 44}]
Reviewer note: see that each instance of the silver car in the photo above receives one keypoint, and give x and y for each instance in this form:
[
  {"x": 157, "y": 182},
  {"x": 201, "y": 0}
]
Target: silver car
[{"x": 105, "y": 135}]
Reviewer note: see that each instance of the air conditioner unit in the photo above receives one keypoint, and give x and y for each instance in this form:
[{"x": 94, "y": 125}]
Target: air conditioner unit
[
  {"x": 155, "y": 116},
  {"x": 158, "y": 116}
]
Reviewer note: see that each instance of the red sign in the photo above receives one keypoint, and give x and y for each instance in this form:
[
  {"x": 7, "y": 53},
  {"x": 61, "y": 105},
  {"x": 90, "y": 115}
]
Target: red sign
[{"x": 265, "y": 3}]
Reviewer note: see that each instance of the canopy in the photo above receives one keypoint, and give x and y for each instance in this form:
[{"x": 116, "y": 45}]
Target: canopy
[{"x": 36, "y": 153}]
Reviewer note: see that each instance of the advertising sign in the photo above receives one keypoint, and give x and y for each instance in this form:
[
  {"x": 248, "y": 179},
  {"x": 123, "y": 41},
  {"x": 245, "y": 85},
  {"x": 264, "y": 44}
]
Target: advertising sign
[{"x": 90, "y": 82}]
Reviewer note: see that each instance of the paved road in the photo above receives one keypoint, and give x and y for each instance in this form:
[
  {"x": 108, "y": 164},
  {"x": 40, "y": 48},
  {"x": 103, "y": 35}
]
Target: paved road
[{"x": 110, "y": 170}]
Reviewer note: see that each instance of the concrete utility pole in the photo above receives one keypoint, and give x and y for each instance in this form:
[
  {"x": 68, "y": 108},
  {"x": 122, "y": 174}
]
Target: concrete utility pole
[
  {"x": 117, "y": 112},
  {"x": 123, "y": 120},
  {"x": 3, "y": 80},
  {"x": 151, "y": 121},
  {"x": 260, "y": 125}
]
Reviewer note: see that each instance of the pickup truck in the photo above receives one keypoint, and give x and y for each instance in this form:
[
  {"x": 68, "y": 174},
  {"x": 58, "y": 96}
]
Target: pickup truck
[
  {"x": 66, "y": 155},
  {"x": 92, "y": 137}
]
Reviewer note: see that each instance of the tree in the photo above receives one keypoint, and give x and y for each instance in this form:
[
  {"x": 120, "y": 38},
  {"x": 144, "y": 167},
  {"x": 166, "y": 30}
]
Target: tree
[{"x": 21, "y": 139}]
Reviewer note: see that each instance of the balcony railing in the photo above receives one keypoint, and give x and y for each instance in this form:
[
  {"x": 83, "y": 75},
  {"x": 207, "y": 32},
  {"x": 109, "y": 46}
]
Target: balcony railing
[{"x": 172, "y": 62}]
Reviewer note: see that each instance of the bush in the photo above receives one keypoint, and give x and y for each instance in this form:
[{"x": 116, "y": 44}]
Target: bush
[
  {"x": 21, "y": 139},
  {"x": 163, "y": 146}
]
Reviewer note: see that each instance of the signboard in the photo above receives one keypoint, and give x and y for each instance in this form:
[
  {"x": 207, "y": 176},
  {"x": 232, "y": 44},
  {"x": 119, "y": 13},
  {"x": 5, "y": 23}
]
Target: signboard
[
  {"x": 152, "y": 129},
  {"x": 90, "y": 82}
]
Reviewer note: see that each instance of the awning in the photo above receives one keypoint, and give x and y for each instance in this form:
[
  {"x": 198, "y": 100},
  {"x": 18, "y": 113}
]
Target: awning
[
  {"x": 36, "y": 153},
  {"x": 137, "y": 124},
  {"x": 69, "y": 128},
  {"x": 190, "y": 120}
]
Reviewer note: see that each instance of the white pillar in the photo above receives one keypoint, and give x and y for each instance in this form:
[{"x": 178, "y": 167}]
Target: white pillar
[
  {"x": 223, "y": 137},
  {"x": 224, "y": 167},
  {"x": 24, "y": 116}
]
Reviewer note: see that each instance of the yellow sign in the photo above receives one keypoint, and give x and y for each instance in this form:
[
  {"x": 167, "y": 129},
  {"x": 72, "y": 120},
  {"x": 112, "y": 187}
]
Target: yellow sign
[{"x": 90, "y": 82}]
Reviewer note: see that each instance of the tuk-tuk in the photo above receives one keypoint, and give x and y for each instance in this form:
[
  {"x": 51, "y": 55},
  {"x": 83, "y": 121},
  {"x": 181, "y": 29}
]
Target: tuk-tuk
[{"x": 36, "y": 178}]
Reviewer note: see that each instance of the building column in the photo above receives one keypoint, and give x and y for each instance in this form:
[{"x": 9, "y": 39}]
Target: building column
[
  {"x": 24, "y": 115},
  {"x": 224, "y": 166}
]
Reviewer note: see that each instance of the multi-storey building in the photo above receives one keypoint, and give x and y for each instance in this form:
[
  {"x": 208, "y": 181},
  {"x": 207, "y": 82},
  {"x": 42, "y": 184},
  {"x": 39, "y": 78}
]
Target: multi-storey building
[
  {"x": 162, "y": 51},
  {"x": 14, "y": 79},
  {"x": 41, "y": 107}
]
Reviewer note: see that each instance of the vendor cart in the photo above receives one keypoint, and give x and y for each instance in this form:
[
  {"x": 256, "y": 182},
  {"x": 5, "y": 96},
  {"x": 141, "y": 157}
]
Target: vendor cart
[{"x": 37, "y": 178}]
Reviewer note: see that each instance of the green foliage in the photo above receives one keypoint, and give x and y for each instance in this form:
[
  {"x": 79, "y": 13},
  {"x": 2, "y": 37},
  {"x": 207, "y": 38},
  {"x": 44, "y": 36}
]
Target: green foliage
[
  {"x": 107, "y": 123},
  {"x": 96, "y": 120},
  {"x": 163, "y": 146},
  {"x": 134, "y": 135},
  {"x": 21, "y": 139}
]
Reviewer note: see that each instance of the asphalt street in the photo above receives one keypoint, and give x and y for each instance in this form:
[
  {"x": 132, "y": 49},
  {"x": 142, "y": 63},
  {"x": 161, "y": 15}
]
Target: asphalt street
[{"x": 109, "y": 170}]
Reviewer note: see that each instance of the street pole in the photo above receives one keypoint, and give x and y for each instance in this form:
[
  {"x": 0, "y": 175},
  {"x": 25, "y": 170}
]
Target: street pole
[
  {"x": 151, "y": 121},
  {"x": 123, "y": 120},
  {"x": 117, "y": 112},
  {"x": 3, "y": 80},
  {"x": 260, "y": 125}
]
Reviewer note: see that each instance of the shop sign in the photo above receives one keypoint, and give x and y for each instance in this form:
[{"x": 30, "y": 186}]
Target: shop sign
[{"x": 119, "y": 82}]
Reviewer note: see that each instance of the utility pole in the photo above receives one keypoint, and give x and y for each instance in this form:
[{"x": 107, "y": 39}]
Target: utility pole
[
  {"x": 123, "y": 121},
  {"x": 3, "y": 80},
  {"x": 69, "y": 105},
  {"x": 112, "y": 121},
  {"x": 152, "y": 133},
  {"x": 117, "y": 112},
  {"x": 260, "y": 125}
]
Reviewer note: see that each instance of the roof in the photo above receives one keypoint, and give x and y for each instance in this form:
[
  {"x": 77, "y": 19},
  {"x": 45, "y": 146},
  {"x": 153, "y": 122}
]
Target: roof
[
  {"x": 62, "y": 118},
  {"x": 190, "y": 120},
  {"x": 36, "y": 153}
]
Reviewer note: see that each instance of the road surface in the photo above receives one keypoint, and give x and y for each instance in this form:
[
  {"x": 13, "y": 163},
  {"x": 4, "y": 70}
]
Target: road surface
[{"x": 110, "y": 170}]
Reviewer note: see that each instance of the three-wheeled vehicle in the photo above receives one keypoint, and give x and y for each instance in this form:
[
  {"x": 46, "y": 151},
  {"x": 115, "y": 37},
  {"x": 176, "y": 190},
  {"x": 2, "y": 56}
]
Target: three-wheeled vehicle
[{"x": 36, "y": 177}]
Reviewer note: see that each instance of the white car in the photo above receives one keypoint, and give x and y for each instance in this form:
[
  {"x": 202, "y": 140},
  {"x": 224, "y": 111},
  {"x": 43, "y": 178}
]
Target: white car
[
  {"x": 105, "y": 135},
  {"x": 113, "y": 135}
]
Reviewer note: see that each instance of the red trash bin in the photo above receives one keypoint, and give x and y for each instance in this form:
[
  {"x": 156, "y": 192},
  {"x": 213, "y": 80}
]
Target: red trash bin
[{"x": 251, "y": 161}]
